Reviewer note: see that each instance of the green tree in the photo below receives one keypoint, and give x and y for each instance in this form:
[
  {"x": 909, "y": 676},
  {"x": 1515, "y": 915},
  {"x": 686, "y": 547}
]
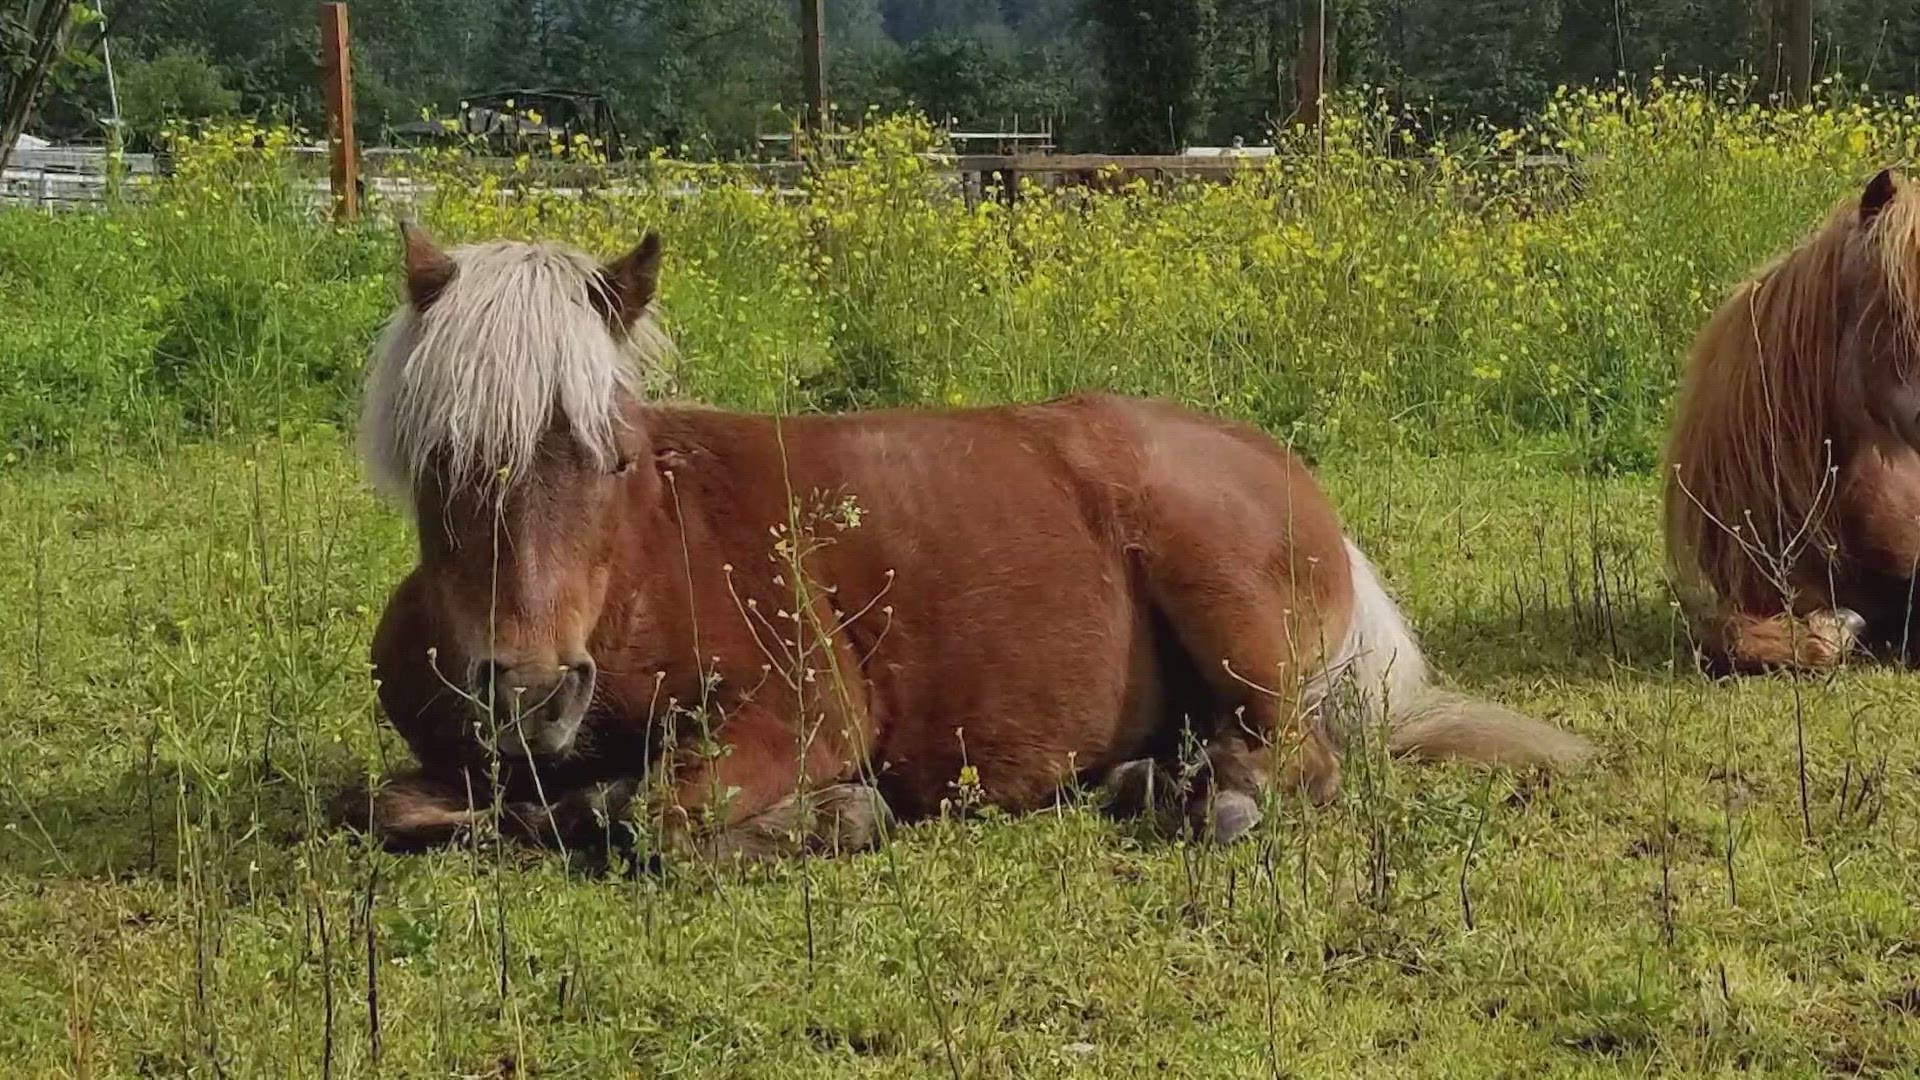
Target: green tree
[
  {"x": 1492, "y": 58},
  {"x": 178, "y": 84},
  {"x": 270, "y": 49},
  {"x": 967, "y": 77},
  {"x": 863, "y": 61},
  {"x": 1111, "y": 74},
  {"x": 713, "y": 71},
  {"x": 414, "y": 55},
  {"x": 1872, "y": 41},
  {"x": 37, "y": 49},
  {"x": 1150, "y": 59},
  {"x": 910, "y": 20}
]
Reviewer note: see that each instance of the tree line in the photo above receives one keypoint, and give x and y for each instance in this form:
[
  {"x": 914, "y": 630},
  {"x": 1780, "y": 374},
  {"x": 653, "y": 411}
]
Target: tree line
[{"x": 1120, "y": 75}]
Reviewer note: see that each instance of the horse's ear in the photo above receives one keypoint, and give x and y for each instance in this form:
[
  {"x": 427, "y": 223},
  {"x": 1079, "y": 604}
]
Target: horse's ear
[
  {"x": 429, "y": 270},
  {"x": 1880, "y": 191},
  {"x": 631, "y": 280}
]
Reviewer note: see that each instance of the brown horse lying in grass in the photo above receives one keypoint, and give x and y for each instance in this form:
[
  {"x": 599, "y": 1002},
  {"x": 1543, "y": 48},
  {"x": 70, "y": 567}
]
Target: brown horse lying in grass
[
  {"x": 755, "y": 633},
  {"x": 1793, "y": 487}
]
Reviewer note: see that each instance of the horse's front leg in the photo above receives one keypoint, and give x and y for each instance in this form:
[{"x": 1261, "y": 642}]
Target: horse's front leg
[
  {"x": 769, "y": 791},
  {"x": 1818, "y": 641},
  {"x": 423, "y": 808},
  {"x": 415, "y": 810},
  {"x": 839, "y": 819},
  {"x": 579, "y": 814}
]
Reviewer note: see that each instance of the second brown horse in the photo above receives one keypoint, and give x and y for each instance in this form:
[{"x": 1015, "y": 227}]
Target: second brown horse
[{"x": 1793, "y": 481}]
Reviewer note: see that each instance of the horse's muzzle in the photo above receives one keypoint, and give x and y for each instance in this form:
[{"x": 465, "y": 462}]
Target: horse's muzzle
[{"x": 528, "y": 711}]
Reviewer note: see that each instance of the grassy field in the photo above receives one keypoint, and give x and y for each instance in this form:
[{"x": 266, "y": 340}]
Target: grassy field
[
  {"x": 188, "y": 636},
  {"x": 1479, "y": 364}
]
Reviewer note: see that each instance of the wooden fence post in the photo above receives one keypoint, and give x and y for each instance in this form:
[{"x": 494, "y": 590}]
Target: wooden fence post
[
  {"x": 813, "y": 64},
  {"x": 337, "y": 68},
  {"x": 1800, "y": 51},
  {"x": 1310, "y": 70}
]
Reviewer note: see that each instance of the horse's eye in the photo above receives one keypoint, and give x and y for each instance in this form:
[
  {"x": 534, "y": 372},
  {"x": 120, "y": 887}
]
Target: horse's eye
[{"x": 620, "y": 467}]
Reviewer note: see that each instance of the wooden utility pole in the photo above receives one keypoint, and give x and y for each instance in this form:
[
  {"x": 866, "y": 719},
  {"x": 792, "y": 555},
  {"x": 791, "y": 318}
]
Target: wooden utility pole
[
  {"x": 1799, "y": 58},
  {"x": 813, "y": 62},
  {"x": 1310, "y": 67},
  {"x": 1278, "y": 26},
  {"x": 344, "y": 154}
]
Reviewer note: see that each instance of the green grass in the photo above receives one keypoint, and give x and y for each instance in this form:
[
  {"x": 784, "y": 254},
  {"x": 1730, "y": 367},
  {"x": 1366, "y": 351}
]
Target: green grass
[
  {"x": 185, "y": 639},
  {"x": 1478, "y": 360}
]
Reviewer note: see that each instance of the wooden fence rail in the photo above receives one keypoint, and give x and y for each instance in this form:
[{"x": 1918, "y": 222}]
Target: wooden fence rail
[{"x": 76, "y": 177}]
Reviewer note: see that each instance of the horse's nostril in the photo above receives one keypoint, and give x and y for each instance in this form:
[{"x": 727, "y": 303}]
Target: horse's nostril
[{"x": 488, "y": 680}]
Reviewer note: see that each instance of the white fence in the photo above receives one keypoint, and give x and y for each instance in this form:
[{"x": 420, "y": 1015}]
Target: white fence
[
  {"x": 64, "y": 177},
  {"x": 77, "y": 178}
]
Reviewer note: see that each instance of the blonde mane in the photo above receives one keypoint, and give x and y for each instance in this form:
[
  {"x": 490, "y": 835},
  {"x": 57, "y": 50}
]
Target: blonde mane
[
  {"x": 1773, "y": 404},
  {"x": 514, "y": 344}
]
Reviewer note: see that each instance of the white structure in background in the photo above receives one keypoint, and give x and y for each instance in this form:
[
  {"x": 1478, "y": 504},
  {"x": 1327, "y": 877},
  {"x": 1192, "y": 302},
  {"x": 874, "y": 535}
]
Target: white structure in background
[{"x": 1239, "y": 149}]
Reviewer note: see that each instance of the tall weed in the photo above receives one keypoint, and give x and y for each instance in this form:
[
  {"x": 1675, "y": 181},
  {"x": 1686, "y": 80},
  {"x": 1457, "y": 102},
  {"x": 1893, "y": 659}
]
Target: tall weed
[{"x": 1363, "y": 288}]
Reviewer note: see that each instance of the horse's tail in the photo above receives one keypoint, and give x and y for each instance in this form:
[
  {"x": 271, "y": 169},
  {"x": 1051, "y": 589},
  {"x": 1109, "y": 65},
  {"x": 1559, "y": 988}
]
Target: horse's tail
[{"x": 1379, "y": 676}]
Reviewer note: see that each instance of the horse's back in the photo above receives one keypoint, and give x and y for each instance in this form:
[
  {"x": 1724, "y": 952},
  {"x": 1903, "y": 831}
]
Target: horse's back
[
  {"x": 1255, "y": 503},
  {"x": 1001, "y": 556}
]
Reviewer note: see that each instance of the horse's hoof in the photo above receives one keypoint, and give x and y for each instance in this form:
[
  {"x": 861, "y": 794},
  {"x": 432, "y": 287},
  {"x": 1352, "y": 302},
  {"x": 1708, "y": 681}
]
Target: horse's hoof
[
  {"x": 1832, "y": 635},
  {"x": 1313, "y": 774},
  {"x": 850, "y": 817},
  {"x": 407, "y": 813},
  {"x": 1229, "y": 816},
  {"x": 1132, "y": 787},
  {"x": 610, "y": 800},
  {"x": 1323, "y": 787}
]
